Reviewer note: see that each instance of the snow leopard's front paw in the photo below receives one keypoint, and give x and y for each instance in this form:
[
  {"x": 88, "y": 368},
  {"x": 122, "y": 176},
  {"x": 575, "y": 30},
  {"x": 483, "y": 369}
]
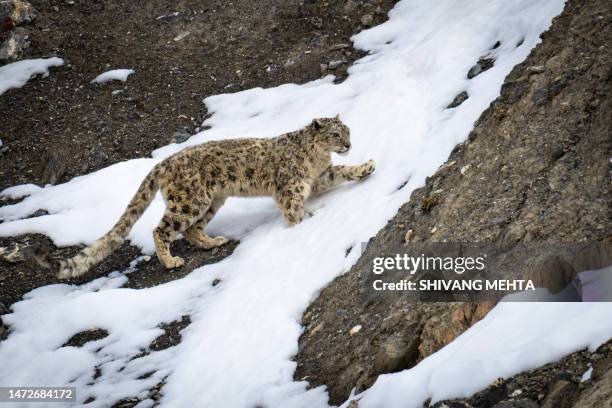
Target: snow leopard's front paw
[{"x": 366, "y": 169}]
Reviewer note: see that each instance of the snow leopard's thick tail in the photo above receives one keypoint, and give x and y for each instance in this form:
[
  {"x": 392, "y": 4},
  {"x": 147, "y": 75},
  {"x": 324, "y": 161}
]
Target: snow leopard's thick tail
[{"x": 90, "y": 256}]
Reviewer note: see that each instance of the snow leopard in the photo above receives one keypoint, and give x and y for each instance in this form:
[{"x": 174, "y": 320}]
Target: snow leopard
[{"x": 196, "y": 181}]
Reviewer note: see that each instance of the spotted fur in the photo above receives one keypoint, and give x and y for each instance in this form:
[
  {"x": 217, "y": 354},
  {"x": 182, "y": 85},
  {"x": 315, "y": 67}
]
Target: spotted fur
[{"x": 196, "y": 181}]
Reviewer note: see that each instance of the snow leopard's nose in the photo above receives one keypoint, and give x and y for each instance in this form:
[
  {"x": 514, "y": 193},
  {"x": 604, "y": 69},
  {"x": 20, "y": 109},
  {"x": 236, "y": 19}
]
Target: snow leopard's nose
[{"x": 345, "y": 149}]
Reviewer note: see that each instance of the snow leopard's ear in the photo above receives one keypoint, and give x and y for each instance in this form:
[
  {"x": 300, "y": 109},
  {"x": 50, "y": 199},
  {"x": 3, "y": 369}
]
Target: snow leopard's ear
[
  {"x": 316, "y": 124},
  {"x": 337, "y": 117}
]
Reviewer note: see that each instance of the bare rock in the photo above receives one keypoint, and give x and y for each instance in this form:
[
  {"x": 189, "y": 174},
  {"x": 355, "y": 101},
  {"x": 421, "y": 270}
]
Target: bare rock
[
  {"x": 350, "y": 6},
  {"x": 441, "y": 329},
  {"x": 481, "y": 66},
  {"x": 551, "y": 272},
  {"x": 366, "y": 20},
  {"x": 563, "y": 395},
  {"x": 181, "y": 35},
  {"x": 518, "y": 403},
  {"x": 16, "y": 12},
  {"x": 459, "y": 99},
  {"x": 14, "y": 45},
  {"x": 396, "y": 353},
  {"x": 541, "y": 96},
  {"x": 180, "y": 135},
  {"x": 55, "y": 167},
  {"x": 599, "y": 394},
  {"x": 12, "y": 255}
]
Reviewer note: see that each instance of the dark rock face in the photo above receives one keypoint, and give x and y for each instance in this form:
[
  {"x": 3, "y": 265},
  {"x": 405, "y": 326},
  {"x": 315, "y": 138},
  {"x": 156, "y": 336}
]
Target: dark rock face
[
  {"x": 533, "y": 170},
  {"x": 459, "y": 99},
  {"x": 481, "y": 66}
]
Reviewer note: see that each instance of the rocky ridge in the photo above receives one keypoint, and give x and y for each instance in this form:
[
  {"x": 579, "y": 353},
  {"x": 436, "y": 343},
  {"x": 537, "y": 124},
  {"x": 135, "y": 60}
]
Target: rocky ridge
[{"x": 535, "y": 169}]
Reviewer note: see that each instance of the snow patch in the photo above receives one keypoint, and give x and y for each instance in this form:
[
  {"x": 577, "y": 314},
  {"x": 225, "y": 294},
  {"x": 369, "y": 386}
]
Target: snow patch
[
  {"x": 586, "y": 376},
  {"x": 17, "y": 74},
  {"x": 113, "y": 75},
  {"x": 20, "y": 191}
]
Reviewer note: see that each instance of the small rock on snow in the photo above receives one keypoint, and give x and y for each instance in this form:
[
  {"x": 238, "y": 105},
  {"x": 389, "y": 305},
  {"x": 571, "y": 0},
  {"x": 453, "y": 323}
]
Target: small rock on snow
[
  {"x": 481, "y": 66},
  {"x": 459, "y": 99}
]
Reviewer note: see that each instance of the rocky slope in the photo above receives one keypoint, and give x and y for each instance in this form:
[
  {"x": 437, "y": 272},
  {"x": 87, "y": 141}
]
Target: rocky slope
[
  {"x": 182, "y": 52},
  {"x": 536, "y": 168}
]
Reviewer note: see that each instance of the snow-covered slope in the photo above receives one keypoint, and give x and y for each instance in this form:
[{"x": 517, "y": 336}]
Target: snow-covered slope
[{"x": 237, "y": 352}]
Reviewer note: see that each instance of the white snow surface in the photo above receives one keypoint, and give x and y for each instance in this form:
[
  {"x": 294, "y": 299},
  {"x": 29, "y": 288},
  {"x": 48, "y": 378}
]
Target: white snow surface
[
  {"x": 113, "y": 75},
  {"x": 17, "y": 74},
  {"x": 586, "y": 376},
  {"x": 237, "y": 351}
]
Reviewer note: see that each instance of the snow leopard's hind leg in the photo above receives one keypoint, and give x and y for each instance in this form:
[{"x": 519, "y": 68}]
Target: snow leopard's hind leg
[
  {"x": 182, "y": 212},
  {"x": 196, "y": 235}
]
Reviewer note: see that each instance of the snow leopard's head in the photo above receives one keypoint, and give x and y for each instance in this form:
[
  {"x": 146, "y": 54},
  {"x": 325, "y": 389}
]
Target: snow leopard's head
[{"x": 331, "y": 134}]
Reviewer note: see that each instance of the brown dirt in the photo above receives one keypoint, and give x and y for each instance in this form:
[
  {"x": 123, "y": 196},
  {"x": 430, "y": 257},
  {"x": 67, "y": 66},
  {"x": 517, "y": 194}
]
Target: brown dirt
[{"x": 231, "y": 47}]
